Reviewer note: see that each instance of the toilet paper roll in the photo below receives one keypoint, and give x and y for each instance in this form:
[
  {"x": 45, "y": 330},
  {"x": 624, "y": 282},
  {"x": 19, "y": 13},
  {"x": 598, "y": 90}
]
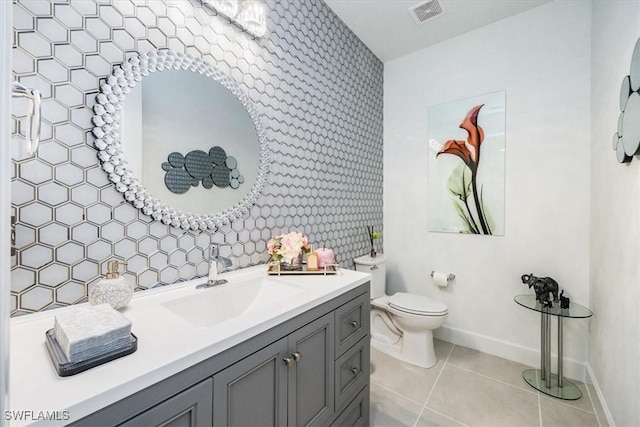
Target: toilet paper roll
[{"x": 440, "y": 279}]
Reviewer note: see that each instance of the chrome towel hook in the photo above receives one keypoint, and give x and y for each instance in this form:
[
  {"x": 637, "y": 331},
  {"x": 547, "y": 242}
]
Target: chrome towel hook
[{"x": 32, "y": 132}]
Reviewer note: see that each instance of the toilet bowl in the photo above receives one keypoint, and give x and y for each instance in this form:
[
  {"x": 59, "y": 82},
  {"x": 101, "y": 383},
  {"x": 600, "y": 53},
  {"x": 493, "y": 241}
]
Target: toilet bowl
[{"x": 402, "y": 324}]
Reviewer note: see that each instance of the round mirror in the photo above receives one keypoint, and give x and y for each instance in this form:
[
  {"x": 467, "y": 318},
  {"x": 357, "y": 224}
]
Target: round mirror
[{"x": 180, "y": 140}]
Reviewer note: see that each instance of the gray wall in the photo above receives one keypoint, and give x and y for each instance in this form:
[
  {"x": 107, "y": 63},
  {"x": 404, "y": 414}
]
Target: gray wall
[{"x": 317, "y": 86}]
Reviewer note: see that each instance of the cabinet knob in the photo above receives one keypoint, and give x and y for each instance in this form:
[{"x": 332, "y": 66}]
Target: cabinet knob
[
  {"x": 354, "y": 323},
  {"x": 355, "y": 370},
  {"x": 292, "y": 359}
]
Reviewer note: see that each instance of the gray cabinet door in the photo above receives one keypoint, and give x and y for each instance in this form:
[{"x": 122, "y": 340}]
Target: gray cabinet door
[
  {"x": 190, "y": 408},
  {"x": 253, "y": 391},
  {"x": 311, "y": 378}
]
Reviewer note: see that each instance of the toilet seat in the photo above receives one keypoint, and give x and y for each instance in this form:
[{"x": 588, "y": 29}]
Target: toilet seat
[{"x": 417, "y": 304}]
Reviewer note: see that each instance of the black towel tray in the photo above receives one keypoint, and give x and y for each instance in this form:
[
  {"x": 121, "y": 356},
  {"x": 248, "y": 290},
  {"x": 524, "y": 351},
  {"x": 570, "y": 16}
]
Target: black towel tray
[{"x": 64, "y": 368}]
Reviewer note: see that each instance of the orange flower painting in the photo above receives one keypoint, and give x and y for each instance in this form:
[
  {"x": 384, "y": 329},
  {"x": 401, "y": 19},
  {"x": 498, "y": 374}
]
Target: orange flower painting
[{"x": 463, "y": 183}]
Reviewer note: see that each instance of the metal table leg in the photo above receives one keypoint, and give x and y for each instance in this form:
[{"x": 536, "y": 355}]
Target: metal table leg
[
  {"x": 548, "y": 350},
  {"x": 543, "y": 345},
  {"x": 559, "y": 351},
  {"x": 542, "y": 379}
]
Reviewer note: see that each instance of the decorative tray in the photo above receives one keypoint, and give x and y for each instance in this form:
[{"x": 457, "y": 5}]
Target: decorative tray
[
  {"x": 273, "y": 269},
  {"x": 66, "y": 368}
]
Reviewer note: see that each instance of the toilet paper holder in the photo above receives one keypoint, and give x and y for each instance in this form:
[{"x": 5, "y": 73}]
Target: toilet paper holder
[{"x": 450, "y": 276}]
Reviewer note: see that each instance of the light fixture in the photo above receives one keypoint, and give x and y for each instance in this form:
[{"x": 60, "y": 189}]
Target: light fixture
[
  {"x": 252, "y": 17},
  {"x": 228, "y": 8}
]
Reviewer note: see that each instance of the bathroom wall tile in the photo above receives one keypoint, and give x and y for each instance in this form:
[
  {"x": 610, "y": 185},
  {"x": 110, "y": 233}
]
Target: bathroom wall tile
[
  {"x": 71, "y": 175},
  {"x": 36, "y": 214},
  {"x": 34, "y": 44},
  {"x": 52, "y": 29},
  {"x": 99, "y": 250},
  {"x": 68, "y": 95},
  {"x": 321, "y": 108},
  {"x": 69, "y": 214},
  {"x": 70, "y": 292},
  {"x": 53, "y": 193},
  {"x": 22, "y": 279},
  {"x": 484, "y": 401},
  {"x": 53, "y": 275},
  {"x": 36, "y": 298},
  {"x": 23, "y": 63},
  {"x": 53, "y": 234},
  {"x": 68, "y": 16},
  {"x": 23, "y": 20}
]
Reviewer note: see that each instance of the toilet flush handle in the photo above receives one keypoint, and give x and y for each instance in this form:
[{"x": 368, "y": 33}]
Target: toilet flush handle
[{"x": 374, "y": 267}]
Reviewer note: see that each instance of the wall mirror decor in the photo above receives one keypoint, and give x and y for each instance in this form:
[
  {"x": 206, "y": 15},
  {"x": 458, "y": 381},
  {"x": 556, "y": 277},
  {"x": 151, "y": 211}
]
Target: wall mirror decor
[{"x": 180, "y": 140}]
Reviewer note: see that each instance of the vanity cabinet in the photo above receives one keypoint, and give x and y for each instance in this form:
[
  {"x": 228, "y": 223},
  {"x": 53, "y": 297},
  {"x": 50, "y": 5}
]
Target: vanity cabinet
[
  {"x": 269, "y": 389},
  {"x": 190, "y": 408},
  {"x": 312, "y": 369}
]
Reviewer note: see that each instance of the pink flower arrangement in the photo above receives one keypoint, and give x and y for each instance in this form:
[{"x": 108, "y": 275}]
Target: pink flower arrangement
[{"x": 288, "y": 246}]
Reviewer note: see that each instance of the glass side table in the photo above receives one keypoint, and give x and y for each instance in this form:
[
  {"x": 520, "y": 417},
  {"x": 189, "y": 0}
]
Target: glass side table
[{"x": 542, "y": 379}]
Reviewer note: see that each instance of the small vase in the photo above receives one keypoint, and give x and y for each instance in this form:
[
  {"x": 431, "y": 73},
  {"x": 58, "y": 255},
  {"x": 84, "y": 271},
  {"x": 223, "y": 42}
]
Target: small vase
[{"x": 293, "y": 265}]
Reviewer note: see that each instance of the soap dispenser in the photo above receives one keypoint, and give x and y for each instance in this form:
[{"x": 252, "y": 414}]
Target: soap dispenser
[{"x": 114, "y": 289}]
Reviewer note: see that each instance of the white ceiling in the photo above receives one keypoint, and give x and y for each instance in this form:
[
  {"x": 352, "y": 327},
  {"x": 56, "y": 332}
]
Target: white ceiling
[{"x": 386, "y": 27}]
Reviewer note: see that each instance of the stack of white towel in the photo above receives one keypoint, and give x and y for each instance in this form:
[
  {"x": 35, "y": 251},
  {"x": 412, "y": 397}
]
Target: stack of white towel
[{"x": 91, "y": 331}]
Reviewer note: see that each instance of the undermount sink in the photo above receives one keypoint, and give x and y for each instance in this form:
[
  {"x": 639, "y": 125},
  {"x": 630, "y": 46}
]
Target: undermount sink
[{"x": 210, "y": 306}]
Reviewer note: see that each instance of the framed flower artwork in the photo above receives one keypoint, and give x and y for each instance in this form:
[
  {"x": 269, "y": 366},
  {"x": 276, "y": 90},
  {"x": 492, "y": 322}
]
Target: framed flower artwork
[{"x": 467, "y": 165}]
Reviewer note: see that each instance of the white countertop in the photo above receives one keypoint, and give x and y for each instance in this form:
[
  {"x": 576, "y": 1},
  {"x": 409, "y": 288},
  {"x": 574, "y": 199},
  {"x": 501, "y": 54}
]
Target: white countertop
[{"x": 167, "y": 344}]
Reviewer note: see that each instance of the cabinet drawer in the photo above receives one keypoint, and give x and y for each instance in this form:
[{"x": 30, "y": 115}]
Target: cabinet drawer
[
  {"x": 356, "y": 414},
  {"x": 352, "y": 323},
  {"x": 352, "y": 372}
]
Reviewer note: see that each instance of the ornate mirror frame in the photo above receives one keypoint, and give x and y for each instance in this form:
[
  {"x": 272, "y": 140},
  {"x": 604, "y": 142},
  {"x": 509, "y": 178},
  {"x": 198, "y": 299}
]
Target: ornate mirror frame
[{"x": 106, "y": 119}]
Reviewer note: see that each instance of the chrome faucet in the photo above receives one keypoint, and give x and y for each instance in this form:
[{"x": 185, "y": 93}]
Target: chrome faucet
[{"x": 214, "y": 259}]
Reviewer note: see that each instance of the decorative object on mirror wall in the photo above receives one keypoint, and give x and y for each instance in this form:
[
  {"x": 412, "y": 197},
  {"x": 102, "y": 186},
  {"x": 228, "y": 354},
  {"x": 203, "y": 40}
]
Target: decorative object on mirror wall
[
  {"x": 213, "y": 168},
  {"x": 373, "y": 235},
  {"x": 107, "y": 121},
  {"x": 228, "y": 8},
  {"x": 466, "y": 195},
  {"x": 251, "y": 15},
  {"x": 33, "y": 123},
  {"x": 544, "y": 287},
  {"x": 626, "y": 139}
]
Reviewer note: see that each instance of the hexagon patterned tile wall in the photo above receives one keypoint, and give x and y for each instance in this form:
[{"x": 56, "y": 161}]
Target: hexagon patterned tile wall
[{"x": 316, "y": 86}]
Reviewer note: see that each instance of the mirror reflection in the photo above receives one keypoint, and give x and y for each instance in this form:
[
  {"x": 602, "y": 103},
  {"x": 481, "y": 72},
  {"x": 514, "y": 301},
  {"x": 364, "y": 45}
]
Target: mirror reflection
[{"x": 190, "y": 141}]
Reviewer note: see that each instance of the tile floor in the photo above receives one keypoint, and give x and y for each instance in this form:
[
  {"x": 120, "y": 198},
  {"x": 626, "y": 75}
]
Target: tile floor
[{"x": 469, "y": 388}]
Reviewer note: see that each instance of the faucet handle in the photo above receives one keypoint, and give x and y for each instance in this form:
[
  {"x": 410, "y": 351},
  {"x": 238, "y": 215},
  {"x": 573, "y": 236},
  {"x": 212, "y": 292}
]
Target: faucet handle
[{"x": 214, "y": 248}]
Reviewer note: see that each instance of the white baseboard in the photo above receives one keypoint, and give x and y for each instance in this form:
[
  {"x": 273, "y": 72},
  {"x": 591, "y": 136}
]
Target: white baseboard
[
  {"x": 591, "y": 379},
  {"x": 510, "y": 351}
]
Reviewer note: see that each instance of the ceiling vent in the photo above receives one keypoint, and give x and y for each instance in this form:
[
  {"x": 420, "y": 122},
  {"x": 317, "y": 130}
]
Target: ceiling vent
[{"x": 426, "y": 10}]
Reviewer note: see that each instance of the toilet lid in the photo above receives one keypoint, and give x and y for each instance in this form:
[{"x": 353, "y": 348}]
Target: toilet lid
[{"x": 417, "y": 304}]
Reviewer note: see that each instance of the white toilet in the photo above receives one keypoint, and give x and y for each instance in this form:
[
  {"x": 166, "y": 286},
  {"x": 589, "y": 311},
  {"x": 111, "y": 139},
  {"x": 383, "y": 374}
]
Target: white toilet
[{"x": 401, "y": 324}]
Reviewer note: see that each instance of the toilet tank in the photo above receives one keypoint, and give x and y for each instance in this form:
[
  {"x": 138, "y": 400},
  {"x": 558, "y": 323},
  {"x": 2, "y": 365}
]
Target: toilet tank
[{"x": 377, "y": 267}]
